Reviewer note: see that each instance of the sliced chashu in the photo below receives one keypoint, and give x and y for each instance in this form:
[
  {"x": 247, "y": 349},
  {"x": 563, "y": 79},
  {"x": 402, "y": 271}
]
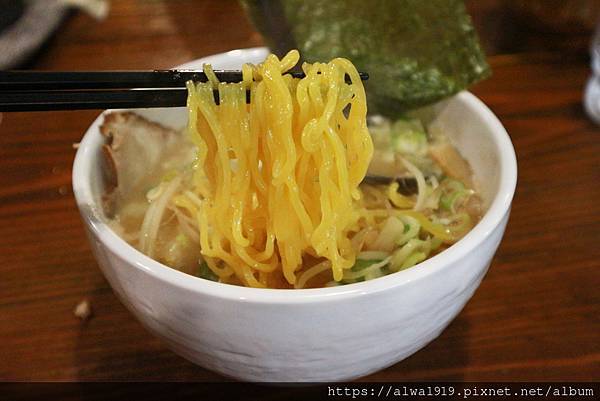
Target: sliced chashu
[{"x": 138, "y": 153}]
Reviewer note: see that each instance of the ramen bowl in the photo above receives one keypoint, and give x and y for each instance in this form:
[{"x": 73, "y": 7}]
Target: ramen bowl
[{"x": 326, "y": 334}]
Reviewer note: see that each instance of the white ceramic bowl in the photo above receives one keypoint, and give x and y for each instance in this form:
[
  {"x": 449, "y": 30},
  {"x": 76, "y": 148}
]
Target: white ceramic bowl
[{"x": 328, "y": 334}]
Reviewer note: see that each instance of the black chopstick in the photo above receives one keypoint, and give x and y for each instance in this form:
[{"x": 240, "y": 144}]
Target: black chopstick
[
  {"x": 51, "y": 80},
  {"x": 91, "y": 100},
  {"x": 40, "y": 91}
]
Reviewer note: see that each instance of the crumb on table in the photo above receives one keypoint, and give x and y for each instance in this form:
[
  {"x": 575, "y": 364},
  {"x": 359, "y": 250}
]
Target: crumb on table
[{"x": 83, "y": 310}]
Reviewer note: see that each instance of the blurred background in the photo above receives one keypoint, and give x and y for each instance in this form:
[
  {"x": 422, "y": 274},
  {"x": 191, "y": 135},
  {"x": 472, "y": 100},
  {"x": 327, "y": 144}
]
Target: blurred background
[
  {"x": 31, "y": 31},
  {"x": 158, "y": 34}
]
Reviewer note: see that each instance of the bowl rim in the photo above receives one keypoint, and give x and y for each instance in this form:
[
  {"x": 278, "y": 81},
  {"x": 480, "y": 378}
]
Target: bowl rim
[{"x": 498, "y": 208}]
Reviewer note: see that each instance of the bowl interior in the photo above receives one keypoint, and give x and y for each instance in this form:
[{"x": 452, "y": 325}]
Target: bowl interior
[{"x": 469, "y": 124}]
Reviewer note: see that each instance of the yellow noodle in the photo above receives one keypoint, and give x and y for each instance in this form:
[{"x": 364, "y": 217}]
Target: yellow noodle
[
  {"x": 277, "y": 179},
  {"x": 212, "y": 78},
  {"x": 274, "y": 198},
  {"x": 397, "y": 199}
]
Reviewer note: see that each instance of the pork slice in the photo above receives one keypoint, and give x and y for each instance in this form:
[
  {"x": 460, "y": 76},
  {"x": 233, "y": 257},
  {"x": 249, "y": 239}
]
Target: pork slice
[{"x": 137, "y": 154}]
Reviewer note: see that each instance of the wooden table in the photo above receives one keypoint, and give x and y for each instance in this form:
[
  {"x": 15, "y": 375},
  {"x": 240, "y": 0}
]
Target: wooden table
[{"x": 535, "y": 316}]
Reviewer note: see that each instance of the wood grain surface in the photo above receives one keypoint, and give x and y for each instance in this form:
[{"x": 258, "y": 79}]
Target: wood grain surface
[{"x": 535, "y": 316}]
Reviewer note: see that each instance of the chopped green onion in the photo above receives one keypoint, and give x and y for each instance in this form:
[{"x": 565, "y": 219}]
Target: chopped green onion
[
  {"x": 368, "y": 255},
  {"x": 205, "y": 272},
  {"x": 362, "y": 264},
  {"x": 413, "y": 259},
  {"x": 409, "y": 137},
  {"x": 461, "y": 223},
  {"x": 392, "y": 229},
  {"x": 374, "y": 274},
  {"x": 364, "y": 268},
  {"x": 435, "y": 243},
  {"x": 453, "y": 191},
  {"x": 412, "y": 232},
  {"x": 406, "y": 253}
]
